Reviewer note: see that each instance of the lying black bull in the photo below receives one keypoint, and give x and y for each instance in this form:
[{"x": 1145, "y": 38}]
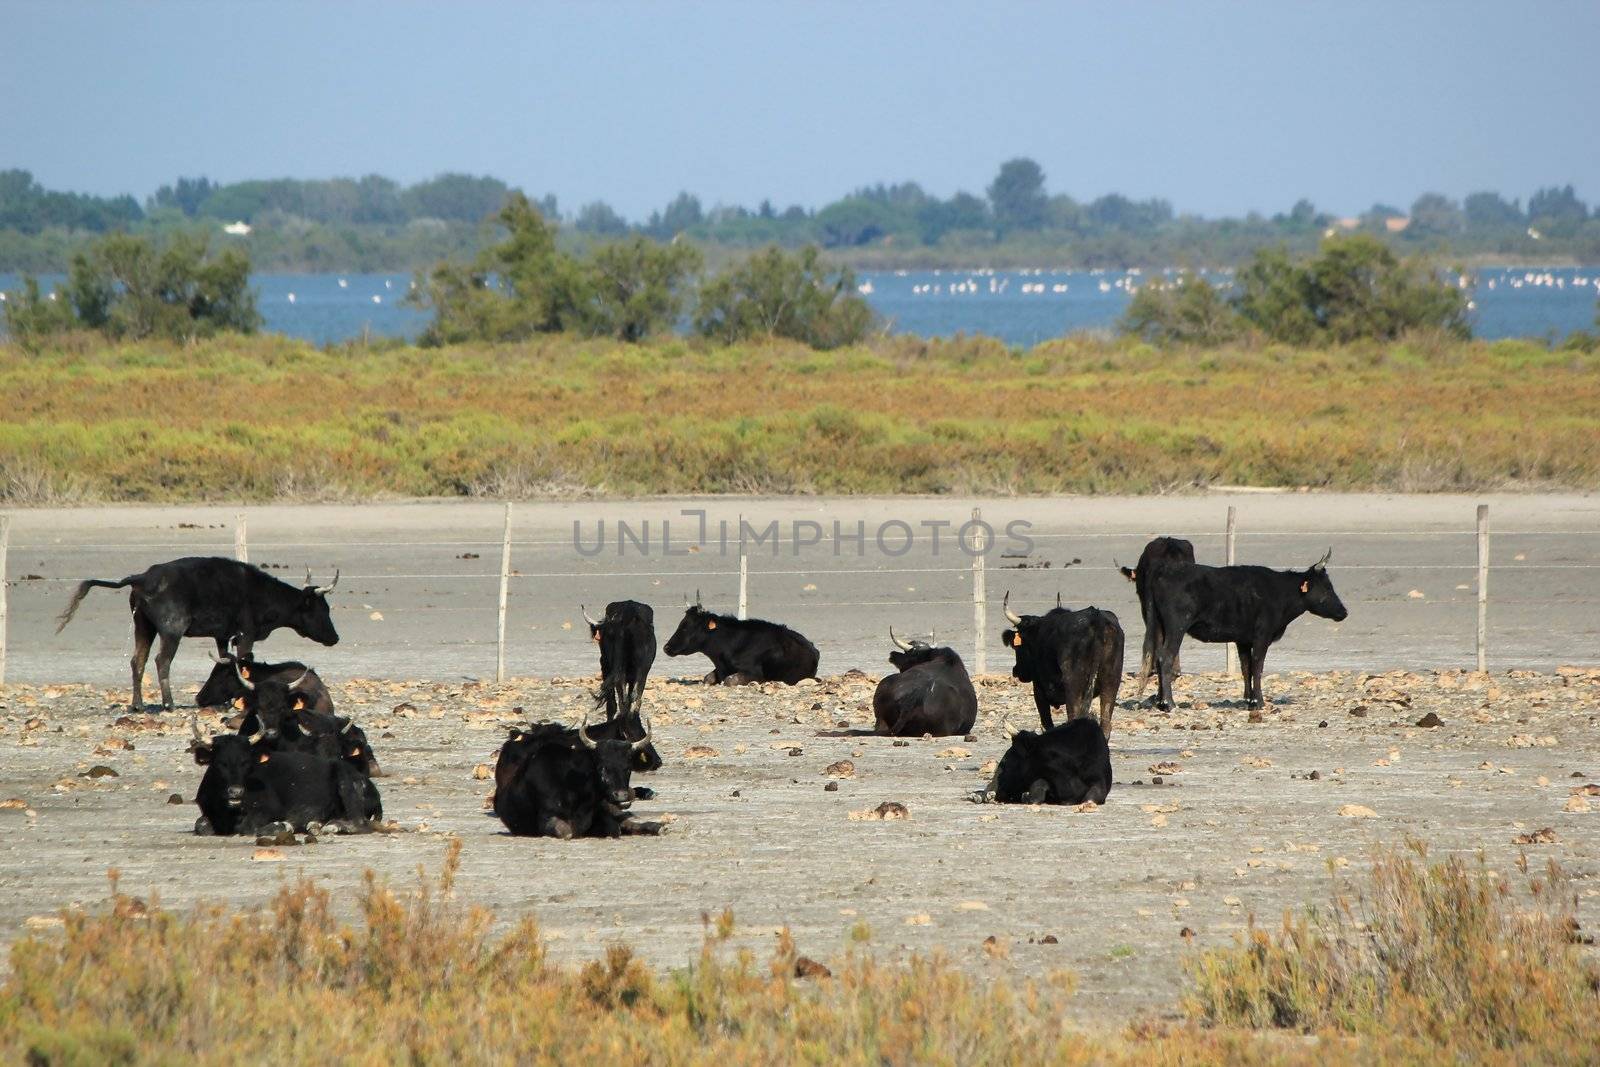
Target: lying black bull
[
  {"x": 932, "y": 694},
  {"x": 226, "y": 685},
  {"x": 208, "y": 596},
  {"x": 548, "y": 786},
  {"x": 1070, "y": 657},
  {"x": 1156, "y": 555},
  {"x": 1250, "y": 606},
  {"x": 626, "y": 635},
  {"x": 250, "y": 789},
  {"x": 279, "y": 713},
  {"x": 744, "y": 650},
  {"x": 1066, "y": 764}
]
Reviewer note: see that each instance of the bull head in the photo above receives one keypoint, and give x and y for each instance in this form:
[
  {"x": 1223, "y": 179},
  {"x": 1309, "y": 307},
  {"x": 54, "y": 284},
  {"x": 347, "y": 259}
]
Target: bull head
[
  {"x": 1005, "y": 605},
  {"x": 233, "y": 661}
]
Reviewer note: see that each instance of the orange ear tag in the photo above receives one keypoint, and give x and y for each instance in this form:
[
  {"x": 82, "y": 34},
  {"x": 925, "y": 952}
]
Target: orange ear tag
[
  {"x": 244, "y": 672},
  {"x": 299, "y": 703},
  {"x": 355, "y": 752},
  {"x": 1305, "y": 587},
  {"x": 712, "y": 625},
  {"x": 238, "y": 702},
  {"x": 263, "y": 758},
  {"x": 1016, "y": 640}
]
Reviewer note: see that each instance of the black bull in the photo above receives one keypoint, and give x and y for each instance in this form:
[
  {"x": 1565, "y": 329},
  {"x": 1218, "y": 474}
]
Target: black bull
[
  {"x": 1250, "y": 606},
  {"x": 744, "y": 650},
  {"x": 931, "y": 694},
  {"x": 1070, "y": 657},
  {"x": 1156, "y": 555},
  {"x": 208, "y": 596},
  {"x": 248, "y": 789},
  {"x": 553, "y": 781},
  {"x": 226, "y": 684}
]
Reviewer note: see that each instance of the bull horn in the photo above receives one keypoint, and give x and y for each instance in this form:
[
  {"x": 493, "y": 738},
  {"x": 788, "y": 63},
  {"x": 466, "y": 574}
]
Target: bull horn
[
  {"x": 901, "y": 645},
  {"x": 933, "y": 638},
  {"x": 1005, "y": 605},
  {"x": 583, "y": 733},
  {"x": 247, "y": 683},
  {"x": 1058, "y": 599},
  {"x": 643, "y": 742},
  {"x": 220, "y": 659},
  {"x": 325, "y": 589},
  {"x": 1005, "y": 724},
  {"x": 303, "y": 676},
  {"x": 591, "y": 622},
  {"x": 349, "y": 723},
  {"x": 255, "y": 738},
  {"x": 697, "y": 598},
  {"x": 1322, "y": 563}
]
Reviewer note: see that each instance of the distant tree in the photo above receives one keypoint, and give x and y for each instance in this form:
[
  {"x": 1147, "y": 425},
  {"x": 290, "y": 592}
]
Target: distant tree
[
  {"x": 1274, "y": 295},
  {"x": 1435, "y": 214},
  {"x": 635, "y": 288},
  {"x": 185, "y": 195},
  {"x": 1490, "y": 211},
  {"x": 1064, "y": 213},
  {"x": 683, "y": 213},
  {"x": 963, "y": 211},
  {"x": 32, "y": 316},
  {"x": 855, "y": 220},
  {"x": 1190, "y": 312},
  {"x": 1017, "y": 196},
  {"x": 454, "y": 197},
  {"x": 1374, "y": 218},
  {"x": 1557, "y": 211},
  {"x": 1117, "y": 212},
  {"x": 513, "y": 290},
  {"x": 27, "y": 207},
  {"x": 599, "y": 220},
  {"x": 778, "y": 294},
  {"x": 1302, "y": 217}
]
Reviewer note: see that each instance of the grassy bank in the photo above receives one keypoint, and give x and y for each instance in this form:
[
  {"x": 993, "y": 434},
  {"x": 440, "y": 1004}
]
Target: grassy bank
[
  {"x": 1449, "y": 966},
  {"x": 270, "y": 418}
]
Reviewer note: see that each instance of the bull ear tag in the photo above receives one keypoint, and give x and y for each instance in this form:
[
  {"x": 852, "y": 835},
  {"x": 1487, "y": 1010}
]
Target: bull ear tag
[
  {"x": 595, "y": 637},
  {"x": 263, "y": 758},
  {"x": 1016, "y": 640},
  {"x": 711, "y": 625},
  {"x": 355, "y": 752},
  {"x": 238, "y": 702},
  {"x": 299, "y": 703},
  {"x": 1305, "y": 587},
  {"x": 244, "y": 672}
]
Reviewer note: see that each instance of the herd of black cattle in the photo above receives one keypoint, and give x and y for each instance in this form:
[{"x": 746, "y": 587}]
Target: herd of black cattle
[{"x": 295, "y": 765}]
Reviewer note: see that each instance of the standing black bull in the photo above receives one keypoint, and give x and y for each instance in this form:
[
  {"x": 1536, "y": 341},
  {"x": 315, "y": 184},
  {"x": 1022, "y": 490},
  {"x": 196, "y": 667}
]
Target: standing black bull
[
  {"x": 1066, "y": 764},
  {"x": 208, "y": 596},
  {"x": 626, "y": 635},
  {"x": 1070, "y": 657},
  {"x": 227, "y": 684},
  {"x": 547, "y": 786},
  {"x": 932, "y": 694},
  {"x": 1250, "y": 606},
  {"x": 1156, "y": 555},
  {"x": 250, "y": 789},
  {"x": 743, "y": 650}
]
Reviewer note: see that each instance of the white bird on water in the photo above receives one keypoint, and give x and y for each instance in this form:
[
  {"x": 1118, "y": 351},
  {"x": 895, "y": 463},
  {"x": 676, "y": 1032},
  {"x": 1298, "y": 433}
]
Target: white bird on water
[
  {"x": 343, "y": 284},
  {"x": 376, "y": 299},
  {"x": 291, "y": 298}
]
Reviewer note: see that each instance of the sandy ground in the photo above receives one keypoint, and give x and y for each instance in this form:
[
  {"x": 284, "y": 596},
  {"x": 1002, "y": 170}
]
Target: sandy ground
[{"x": 1238, "y": 825}]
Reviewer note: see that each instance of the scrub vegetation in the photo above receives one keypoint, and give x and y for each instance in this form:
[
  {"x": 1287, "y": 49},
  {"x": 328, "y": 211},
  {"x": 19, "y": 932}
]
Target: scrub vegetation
[
  {"x": 1449, "y": 966},
  {"x": 261, "y": 418}
]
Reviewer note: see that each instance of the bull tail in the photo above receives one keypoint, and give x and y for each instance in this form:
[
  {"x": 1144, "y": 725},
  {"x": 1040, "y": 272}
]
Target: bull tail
[{"x": 83, "y": 591}]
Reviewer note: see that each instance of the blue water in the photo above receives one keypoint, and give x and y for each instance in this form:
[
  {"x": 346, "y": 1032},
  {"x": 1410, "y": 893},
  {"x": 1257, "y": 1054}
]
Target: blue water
[{"x": 1018, "y": 306}]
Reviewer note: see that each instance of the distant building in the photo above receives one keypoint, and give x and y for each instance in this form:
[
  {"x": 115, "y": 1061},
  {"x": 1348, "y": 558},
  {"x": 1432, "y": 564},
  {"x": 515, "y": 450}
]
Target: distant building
[
  {"x": 237, "y": 229},
  {"x": 1396, "y": 225},
  {"x": 1349, "y": 223}
]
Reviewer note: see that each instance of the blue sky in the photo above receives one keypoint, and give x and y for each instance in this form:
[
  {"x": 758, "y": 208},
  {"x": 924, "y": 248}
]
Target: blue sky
[{"x": 1220, "y": 107}]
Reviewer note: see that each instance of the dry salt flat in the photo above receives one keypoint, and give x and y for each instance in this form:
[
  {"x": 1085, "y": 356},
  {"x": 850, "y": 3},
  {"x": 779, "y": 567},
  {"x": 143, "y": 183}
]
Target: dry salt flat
[{"x": 1217, "y": 814}]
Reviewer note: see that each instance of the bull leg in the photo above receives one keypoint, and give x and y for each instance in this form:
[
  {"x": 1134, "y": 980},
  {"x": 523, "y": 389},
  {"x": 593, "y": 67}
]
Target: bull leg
[
  {"x": 553, "y": 826},
  {"x": 144, "y": 634},
  {"x": 1043, "y": 704},
  {"x": 1258, "y": 662},
  {"x": 164, "y": 654},
  {"x": 1147, "y": 661},
  {"x": 1166, "y": 668},
  {"x": 1246, "y": 668}
]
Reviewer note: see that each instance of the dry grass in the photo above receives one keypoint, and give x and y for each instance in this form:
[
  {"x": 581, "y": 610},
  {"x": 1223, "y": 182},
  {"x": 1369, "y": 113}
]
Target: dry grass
[
  {"x": 1435, "y": 957},
  {"x": 1442, "y": 967},
  {"x": 265, "y": 418}
]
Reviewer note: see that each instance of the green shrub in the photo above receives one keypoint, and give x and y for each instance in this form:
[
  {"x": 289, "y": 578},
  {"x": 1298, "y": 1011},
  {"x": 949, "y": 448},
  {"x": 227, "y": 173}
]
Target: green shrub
[{"x": 774, "y": 293}]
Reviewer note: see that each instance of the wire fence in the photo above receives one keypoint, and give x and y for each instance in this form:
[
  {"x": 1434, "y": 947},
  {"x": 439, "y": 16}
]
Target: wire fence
[{"x": 494, "y": 613}]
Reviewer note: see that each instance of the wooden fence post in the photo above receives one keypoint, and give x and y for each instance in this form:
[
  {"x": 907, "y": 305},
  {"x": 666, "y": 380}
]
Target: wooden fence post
[
  {"x": 744, "y": 574},
  {"x": 1233, "y": 655},
  {"x": 1483, "y": 587},
  {"x": 241, "y": 549},
  {"x": 5, "y": 544},
  {"x": 505, "y": 582},
  {"x": 980, "y": 605}
]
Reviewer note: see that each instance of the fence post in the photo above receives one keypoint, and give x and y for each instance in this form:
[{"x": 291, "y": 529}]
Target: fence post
[
  {"x": 241, "y": 550},
  {"x": 980, "y": 605},
  {"x": 1233, "y": 656},
  {"x": 5, "y": 544},
  {"x": 505, "y": 582},
  {"x": 744, "y": 574},
  {"x": 1483, "y": 587}
]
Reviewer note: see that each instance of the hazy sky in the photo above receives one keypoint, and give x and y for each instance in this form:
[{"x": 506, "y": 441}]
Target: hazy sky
[{"x": 1220, "y": 107}]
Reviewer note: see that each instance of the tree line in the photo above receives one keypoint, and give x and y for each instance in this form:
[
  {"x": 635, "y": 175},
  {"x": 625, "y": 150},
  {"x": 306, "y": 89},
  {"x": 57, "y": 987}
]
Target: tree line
[{"x": 376, "y": 223}]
